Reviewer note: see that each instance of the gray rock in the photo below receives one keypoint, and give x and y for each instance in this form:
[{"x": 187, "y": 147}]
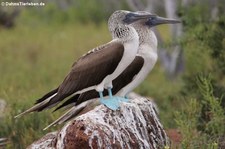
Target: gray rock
[
  {"x": 134, "y": 125},
  {"x": 46, "y": 142}
]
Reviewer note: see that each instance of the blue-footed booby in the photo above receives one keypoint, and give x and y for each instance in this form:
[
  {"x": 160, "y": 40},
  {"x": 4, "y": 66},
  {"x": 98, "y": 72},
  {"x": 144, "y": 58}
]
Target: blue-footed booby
[
  {"x": 99, "y": 67},
  {"x": 132, "y": 76}
]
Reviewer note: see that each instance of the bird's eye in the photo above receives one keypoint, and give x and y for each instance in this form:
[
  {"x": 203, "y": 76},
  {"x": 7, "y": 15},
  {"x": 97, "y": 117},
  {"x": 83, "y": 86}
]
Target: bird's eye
[{"x": 152, "y": 18}]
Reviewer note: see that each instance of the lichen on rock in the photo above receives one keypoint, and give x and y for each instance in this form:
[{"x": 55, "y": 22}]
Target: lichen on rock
[{"x": 134, "y": 125}]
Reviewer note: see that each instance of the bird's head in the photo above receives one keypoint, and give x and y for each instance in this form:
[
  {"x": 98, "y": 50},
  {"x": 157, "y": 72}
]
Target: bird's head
[
  {"x": 123, "y": 17},
  {"x": 120, "y": 22},
  {"x": 156, "y": 20}
]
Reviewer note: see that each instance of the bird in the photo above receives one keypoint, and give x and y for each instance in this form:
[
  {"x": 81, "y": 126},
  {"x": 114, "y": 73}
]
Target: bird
[
  {"x": 131, "y": 77},
  {"x": 143, "y": 63},
  {"x": 97, "y": 69}
]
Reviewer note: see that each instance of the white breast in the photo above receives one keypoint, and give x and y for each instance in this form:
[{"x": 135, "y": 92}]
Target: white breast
[
  {"x": 149, "y": 54},
  {"x": 130, "y": 51}
]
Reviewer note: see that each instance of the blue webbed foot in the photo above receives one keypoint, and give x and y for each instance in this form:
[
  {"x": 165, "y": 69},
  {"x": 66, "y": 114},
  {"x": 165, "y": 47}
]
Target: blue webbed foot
[{"x": 112, "y": 102}]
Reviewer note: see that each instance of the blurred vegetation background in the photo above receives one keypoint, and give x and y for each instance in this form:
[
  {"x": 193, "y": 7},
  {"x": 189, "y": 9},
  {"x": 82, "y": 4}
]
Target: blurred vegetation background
[{"x": 39, "y": 44}]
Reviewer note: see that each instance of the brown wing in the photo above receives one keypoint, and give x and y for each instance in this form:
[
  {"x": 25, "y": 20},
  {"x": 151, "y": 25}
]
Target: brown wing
[
  {"x": 89, "y": 70},
  {"x": 92, "y": 68},
  {"x": 128, "y": 74},
  {"x": 121, "y": 81}
]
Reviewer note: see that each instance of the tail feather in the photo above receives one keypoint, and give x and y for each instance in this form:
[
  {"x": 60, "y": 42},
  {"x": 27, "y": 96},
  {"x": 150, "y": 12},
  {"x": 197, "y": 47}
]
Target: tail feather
[
  {"x": 47, "y": 95},
  {"x": 74, "y": 111},
  {"x": 52, "y": 102},
  {"x": 80, "y": 98},
  {"x": 37, "y": 107},
  {"x": 68, "y": 102},
  {"x": 89, "y": 95}
]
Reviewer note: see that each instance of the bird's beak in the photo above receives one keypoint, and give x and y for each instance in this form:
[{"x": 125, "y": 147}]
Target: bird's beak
[
  {"x": 133, "y": 17},
  {"x": 155, "y": 20}
]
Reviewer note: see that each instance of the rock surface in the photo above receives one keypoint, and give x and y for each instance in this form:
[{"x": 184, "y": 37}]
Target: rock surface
[
  {"x": 135, "y": 125},
  {"x": 46, "y": 142}
]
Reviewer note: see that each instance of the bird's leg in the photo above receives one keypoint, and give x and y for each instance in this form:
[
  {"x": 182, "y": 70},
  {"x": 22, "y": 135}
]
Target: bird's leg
[
  {"x": 101, "y": 96},
  {"x": 113, "y": 101},
  {"x": 110, "y": 92}
]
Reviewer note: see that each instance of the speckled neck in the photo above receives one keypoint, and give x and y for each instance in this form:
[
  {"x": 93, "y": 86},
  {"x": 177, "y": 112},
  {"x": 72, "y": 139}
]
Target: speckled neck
[{"x": 146, "y": 35}]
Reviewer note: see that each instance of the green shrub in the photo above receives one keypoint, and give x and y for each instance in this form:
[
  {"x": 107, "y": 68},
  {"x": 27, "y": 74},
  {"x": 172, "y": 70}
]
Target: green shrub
[{"x": 201, "y": 122}]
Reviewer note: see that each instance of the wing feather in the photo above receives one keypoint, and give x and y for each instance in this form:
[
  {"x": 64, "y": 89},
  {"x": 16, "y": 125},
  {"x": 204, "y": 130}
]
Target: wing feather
[
  {"x": 89, "y": 70},
  {"x": 121, "y": 81}
]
